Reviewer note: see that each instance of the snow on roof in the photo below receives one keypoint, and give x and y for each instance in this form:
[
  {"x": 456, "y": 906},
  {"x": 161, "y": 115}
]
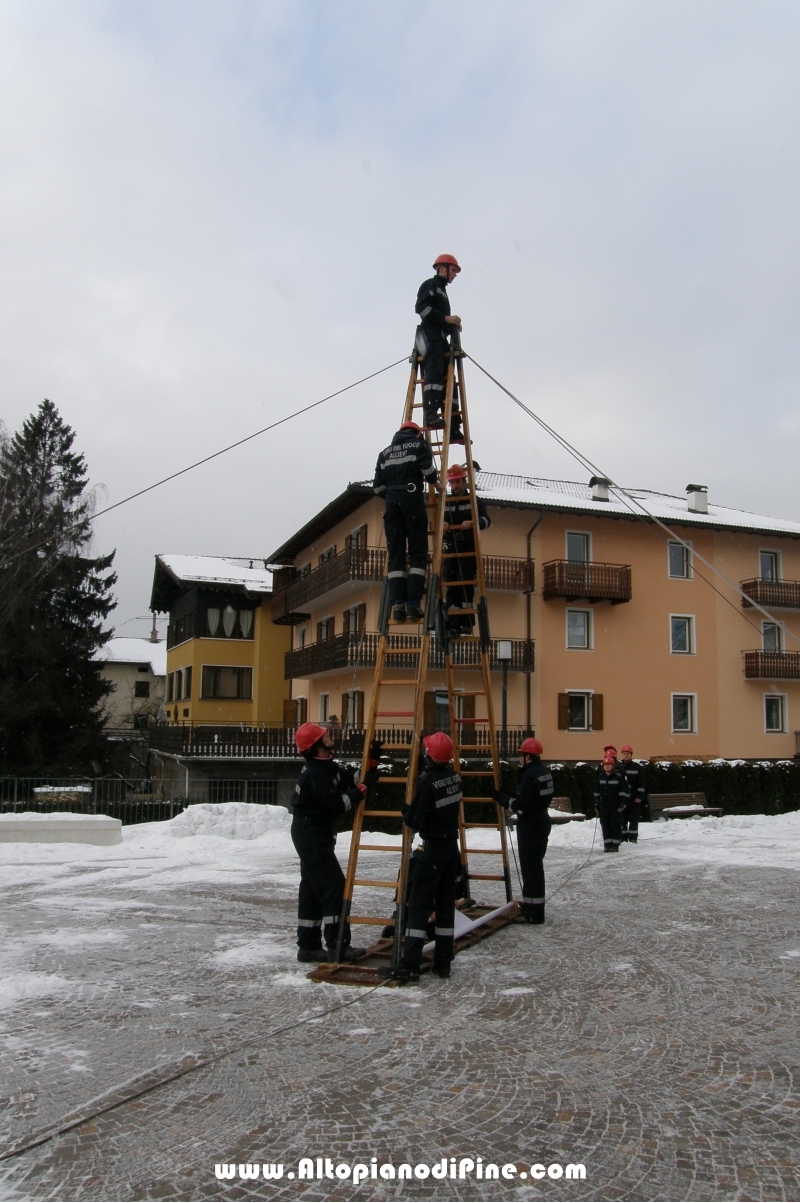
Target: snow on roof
[
  {"x": 536, "y": 491},
  {"x": 136, "y": 651},
  {"x": 252, "y": 574}
]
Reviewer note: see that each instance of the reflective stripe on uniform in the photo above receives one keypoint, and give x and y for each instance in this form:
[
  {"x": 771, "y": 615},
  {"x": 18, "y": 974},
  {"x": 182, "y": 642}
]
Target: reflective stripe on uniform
[
  {"x": 309, "y": 923},
  {"x": 428, "y": 471},
  {"x": 445, "y": 931},
  {"x": 347, "y": 803},
  {"x": 417, "y": 933},
  {"x": 394, "y": 575},
  {"x": 416, "y": 572},
  {"x": 439, "y": 387},
  {"x": 533, "y": 901},
  {"x": 326, "y": 919},
  {"x": 447, "y": 800},
  {"x": 401, "y": 459},
  {"x": 426, "y": 311}
]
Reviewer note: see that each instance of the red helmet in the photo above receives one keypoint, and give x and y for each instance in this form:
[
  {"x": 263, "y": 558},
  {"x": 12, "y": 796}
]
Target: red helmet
[
  {"x": 411, "y": 426},
  {"x": 457, "y": 472},
  {"x": 446, "y": 261},
  {"x": 439, "y": 747},
  {"x": 307, "y": 735},
  {"x": 610, "y": 748},
  {"x": 626, "y": 748},
  {"x": 609, "y": 760},
  {"x": 530, "y": 747}
]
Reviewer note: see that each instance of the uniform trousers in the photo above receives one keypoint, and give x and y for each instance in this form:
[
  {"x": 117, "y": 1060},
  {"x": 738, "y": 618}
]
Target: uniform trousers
[
  {"x": 610, "y": 822},
  {"x": 319, "y": 899},
  {"x": 433, "y": 888},
  {"x": 405, "y": 521},
  {"x": 630, "y": 821},
  {"x": 532, "y": 837},
  {"x": 434, "y": 369}
]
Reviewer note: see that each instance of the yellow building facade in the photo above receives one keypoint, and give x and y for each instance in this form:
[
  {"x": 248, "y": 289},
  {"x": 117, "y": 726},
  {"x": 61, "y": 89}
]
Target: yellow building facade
[
  {"x": 619, "y": 633},
  {"x": 225, "y": 656}
]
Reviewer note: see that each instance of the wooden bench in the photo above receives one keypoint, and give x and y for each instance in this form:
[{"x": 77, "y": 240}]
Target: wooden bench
[{"x": 681, "y": 806}]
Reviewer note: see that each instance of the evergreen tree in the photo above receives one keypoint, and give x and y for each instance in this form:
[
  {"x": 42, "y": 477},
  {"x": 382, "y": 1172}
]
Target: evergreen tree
[{"x": 54, "y": 598}]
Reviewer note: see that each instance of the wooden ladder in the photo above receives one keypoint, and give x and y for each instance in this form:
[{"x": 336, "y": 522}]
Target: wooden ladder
[{"x": 401, "y": 666}]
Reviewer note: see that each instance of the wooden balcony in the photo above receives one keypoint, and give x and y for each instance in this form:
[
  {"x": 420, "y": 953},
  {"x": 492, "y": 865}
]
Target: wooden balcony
[
  {"x": 359, "y": 651},
  {"x": 783, "y": 594},
  {"x": 578, "y": 581},
  {"x": 356, "y": 565},
  {"x": 772, "y": 666}
]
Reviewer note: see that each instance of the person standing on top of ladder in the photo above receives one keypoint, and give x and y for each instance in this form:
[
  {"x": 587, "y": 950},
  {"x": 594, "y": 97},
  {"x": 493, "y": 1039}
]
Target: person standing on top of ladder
[
  {"x": 434, "y": 814},
  {"x": 433, "y": 308},
  {"x": 325, "y": 790},
  {"x": 402, "y": 471},
  {"x": 531, "y": 805},
  {"x": 460, "y": 537}
]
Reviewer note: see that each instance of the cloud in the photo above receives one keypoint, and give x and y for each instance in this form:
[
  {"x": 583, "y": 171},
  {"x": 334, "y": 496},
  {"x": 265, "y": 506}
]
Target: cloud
[{"x": 212, "y": 215}]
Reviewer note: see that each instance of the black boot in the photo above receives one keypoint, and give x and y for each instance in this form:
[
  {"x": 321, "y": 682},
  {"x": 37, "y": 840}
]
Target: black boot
[
  {"x": 317, "y": 955},
  {"x": 442, "y": 969}
]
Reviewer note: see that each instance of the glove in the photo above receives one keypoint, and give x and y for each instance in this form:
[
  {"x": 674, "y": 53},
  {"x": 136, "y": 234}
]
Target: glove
[
  {"x": 374, "y": 754},
  {"x": 503, "y": 798},
  {"x": 371, "y": 777},
  {"x": 361, "y": 791}
]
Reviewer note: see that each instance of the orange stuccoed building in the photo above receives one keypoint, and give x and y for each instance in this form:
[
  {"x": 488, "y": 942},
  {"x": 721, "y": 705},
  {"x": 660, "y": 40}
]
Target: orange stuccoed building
[{"x": 616, "y": 631}]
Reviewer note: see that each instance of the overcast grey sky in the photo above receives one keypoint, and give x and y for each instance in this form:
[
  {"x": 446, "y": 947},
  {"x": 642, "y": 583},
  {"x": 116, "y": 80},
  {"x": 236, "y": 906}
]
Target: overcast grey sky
[{"x": 212, "y": 214}]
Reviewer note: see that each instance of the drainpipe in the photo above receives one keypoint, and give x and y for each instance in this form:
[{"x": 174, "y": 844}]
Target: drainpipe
[{"x": 528, "y": 592}]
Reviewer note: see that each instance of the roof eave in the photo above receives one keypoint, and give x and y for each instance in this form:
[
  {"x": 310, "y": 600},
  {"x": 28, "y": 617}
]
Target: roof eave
[{"x": 346, "y": 503}]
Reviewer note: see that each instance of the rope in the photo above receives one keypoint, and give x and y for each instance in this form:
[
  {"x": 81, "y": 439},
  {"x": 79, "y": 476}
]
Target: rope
[
  {"x": 215, "y": 454},
  {"x": 629, "y": 500}
]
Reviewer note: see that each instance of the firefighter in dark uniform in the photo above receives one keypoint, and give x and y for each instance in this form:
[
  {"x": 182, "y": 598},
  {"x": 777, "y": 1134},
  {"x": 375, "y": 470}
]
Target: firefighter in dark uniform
[
  {"x": 531, "y": 806},
  {"x": 634, "y": 775},
  {"x": 433, "y": 308},
  {"x": 611, "y": 796},
  {"x": 434, "y": 814},
  {"x": 324, "y": 790},
  {"x": 460, "y": 537},
  {"x": 402, "y": 471}
]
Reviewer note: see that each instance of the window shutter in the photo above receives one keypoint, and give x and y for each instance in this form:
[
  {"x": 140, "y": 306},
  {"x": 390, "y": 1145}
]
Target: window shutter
[
  {"x": 346, "y": 622},
  {"x": 302, "y": 717},
  {"x": 597, "y": 712},
  {"x": 563, "y": 712},
  {"x": 361, "y": 618},
  {"x": 320, "y": 635},
  {"x": 429, "y": 712},
  {"x": 348, "y": 542},
  {"x": 289, "y": 712}
]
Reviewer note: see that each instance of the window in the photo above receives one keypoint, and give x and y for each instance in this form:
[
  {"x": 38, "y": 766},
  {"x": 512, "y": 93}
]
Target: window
[
  {"x": 580, "y": 710},
  {"x": 325, "y": 630},
  {"x": 229, "y": 623},
  {"x": 143, "y": 668},
  {"x": 684, "y": 712},
  {"x": 327, "y": 554},
  {"x": 769, "y": 567},
  {"x": 680, "y": 561},
  {"x": 354, "y": 620},
  {"x": 324, "y": 707},
  {"x": 187, "y": 681},
  {"x": 578, "y": 547},
  {"x": 302, "y": 634},
  {"x": 305, "y": 569},
  {"x": 180, "y": 629},
  {"x": 227, "y": 681},
  {"x": 579, "y": 629},
  {"x": 681, "y": 634},
  {"x": 354, "y": 714},
  {"x": 775, "y": 712},
  {"x": 772, "y": 637},
  {"x": 170, "y": 687},
  {"x": 141, "y": 689},
  {"x": 358, "y": 538}
]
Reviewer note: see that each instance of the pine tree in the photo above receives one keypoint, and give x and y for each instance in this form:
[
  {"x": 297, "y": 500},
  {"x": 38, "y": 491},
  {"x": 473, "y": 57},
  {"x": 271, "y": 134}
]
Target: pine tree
[{"x": 54, "y": 598}]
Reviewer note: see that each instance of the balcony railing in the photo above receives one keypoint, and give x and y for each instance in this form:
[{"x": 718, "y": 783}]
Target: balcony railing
[
  {"x": 368, "y": 564},
  {"x": 359, "y": 651},
  {"x": 576, "y": 580},
  {"x": 205, "y": 742},
  {"x": 353, "y": 564},
  {"x": 785, "y": 594},
  {"x": 777, "y": 666}
]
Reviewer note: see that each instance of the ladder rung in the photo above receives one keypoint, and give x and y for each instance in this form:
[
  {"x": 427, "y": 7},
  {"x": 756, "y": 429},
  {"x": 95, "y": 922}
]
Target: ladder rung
[
  {"x": 486, "y": 877},
  {"x": 410, "y": 681},
  {"x": 383, "y": 814},
  {"x": 380, "y": 847},
  {"x": 484, "y": 852},
  {"x": 371, "y": 919},
  {"x": 397, "y": 747},
  {"x": 383, "y": 778},
  {"x": 488, "y": 826},
  {"x": 483, "y": 798},
  {"x": 471, "y": 693},
  {"x": 466, "y": 610},
  {"x": 478, "y": 773},
  {"x": 367, "y": 881}
]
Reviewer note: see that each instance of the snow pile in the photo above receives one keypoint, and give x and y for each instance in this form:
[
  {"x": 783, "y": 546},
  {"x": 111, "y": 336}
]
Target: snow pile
[
  {"x": 48, "y": 818},
  {"x": 232, "y": 821}
]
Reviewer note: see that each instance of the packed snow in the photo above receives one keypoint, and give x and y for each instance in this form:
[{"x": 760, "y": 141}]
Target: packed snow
[{"x": 237, "y": 842}]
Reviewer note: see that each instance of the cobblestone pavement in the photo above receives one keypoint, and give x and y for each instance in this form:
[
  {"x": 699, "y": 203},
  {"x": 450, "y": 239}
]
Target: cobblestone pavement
[{"x": 649, "y": 1031}]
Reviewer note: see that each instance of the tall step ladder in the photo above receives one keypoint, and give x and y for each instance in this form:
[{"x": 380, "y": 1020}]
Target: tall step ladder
[{"x": 401, "y": 669}]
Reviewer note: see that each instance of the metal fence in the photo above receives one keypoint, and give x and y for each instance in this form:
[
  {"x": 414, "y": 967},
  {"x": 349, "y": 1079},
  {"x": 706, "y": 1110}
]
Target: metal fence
[{"x": 143, "y": 801}]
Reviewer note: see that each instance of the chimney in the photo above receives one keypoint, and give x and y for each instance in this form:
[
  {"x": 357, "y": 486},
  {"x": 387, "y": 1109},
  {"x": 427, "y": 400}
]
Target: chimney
[
  {"x": 154, "y": 630},
  {"x": 599, "y": 486},
  {"x": 697, "y": 498}
]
